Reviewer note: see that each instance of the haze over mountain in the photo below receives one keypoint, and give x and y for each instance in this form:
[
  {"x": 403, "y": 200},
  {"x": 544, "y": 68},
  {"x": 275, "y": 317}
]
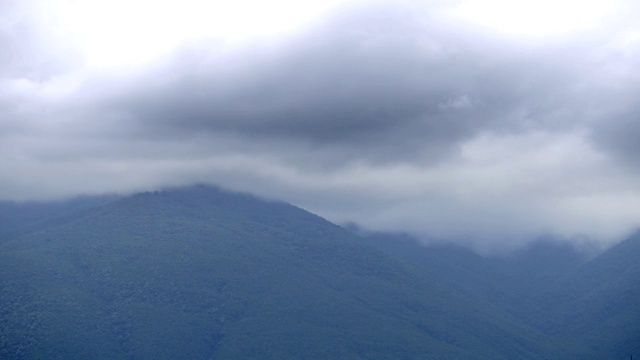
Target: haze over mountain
[
  {"x": 202, "y": 273},
  {"x": 485, "y": 122},
  {"x": 564, "y": 293},
  {"x": 500, "y": 138}
]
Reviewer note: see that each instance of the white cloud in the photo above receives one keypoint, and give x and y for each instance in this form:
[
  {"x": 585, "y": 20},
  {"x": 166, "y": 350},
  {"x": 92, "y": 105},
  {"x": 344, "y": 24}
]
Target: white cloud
[{"x": 398, "y": 120}]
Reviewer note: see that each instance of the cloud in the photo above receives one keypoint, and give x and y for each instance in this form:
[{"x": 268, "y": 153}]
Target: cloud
[
  {"x": 388, "y": 114},
  {"x": 388, "y": 94}
]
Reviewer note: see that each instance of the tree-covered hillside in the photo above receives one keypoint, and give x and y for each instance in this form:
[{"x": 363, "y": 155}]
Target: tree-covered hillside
[
  {"x": 560, "y": 291},
  {"x": 199, "y": 273},
  {"x": 16, "y": 217},
  {"x": 598, "y": 303}
]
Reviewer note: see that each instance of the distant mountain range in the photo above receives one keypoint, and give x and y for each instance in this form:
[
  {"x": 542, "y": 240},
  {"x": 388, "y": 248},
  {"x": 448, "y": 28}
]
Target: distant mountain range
[
  {"x": 201, "y": 273},
  {"x": 549, "y": 286}
]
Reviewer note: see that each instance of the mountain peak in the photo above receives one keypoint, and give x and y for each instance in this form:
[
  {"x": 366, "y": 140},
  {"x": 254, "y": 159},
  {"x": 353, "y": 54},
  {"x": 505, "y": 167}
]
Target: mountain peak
[{"x": 200, "y": 272}]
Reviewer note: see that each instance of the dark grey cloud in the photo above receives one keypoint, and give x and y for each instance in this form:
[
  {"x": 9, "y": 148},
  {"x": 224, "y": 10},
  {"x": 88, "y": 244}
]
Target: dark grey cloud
[
  {"x": 382, "y": 85},
  {"x": 617, "y": 128},
  {"x": 390, "y": 115}
]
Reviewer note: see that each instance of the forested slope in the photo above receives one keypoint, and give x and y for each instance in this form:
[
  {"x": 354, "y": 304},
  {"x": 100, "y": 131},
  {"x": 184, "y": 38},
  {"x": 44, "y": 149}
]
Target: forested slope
[{"x": 200, "y": 273}]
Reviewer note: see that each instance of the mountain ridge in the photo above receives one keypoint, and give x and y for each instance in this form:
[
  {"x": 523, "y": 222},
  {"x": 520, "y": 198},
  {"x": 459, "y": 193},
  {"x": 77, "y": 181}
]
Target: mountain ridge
[
  {"x": 214, "y": 273},
  {"x": 569, "y": 295}
]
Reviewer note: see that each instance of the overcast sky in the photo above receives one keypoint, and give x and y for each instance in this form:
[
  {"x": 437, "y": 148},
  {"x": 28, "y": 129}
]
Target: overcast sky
[{"x": 487, "y": 122}]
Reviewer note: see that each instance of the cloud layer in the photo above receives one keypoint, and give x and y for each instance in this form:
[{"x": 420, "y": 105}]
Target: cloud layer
[{"x": 396, "y": 116}]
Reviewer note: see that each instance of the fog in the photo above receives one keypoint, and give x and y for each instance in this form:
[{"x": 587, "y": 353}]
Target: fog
[{"x": 434, "y": 118}]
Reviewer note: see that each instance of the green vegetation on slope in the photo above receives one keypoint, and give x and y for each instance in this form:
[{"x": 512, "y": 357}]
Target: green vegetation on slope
[
  {"x": 598, "y": 303},
  {"x": 558, "y": 291},
  {"x": 199, "y": 273}
]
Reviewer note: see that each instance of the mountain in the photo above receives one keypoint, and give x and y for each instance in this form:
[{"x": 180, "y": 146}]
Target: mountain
[
  {"x": 598, "y": 303},
  {"x": 556, "y": 289},
  {"x": 201, "y": 273},
  {"x": 504, "y": 280},
  {"x": 17, "y": 216}
]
